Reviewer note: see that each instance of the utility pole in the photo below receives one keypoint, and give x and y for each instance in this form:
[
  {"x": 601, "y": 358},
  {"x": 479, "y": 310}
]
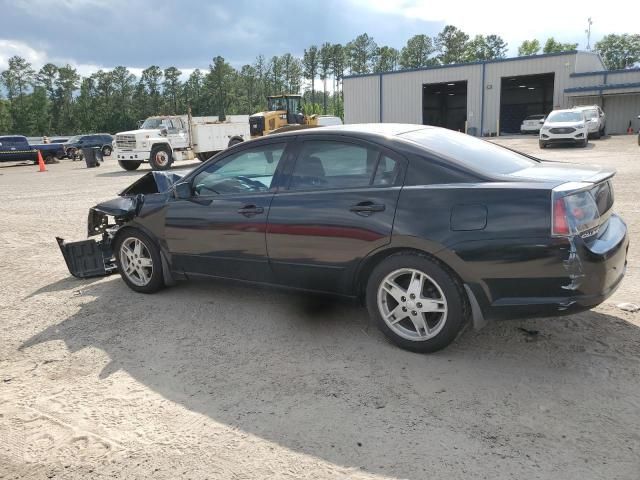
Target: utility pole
[{"x": 588, "y": 32}]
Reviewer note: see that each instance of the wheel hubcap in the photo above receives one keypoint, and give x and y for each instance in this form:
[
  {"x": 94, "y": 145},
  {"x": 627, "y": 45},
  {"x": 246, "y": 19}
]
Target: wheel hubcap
[
  {"x": 412, "y": 304},
  {"x": 136, "y": 261},
  {"x": 162, "y": 158}
]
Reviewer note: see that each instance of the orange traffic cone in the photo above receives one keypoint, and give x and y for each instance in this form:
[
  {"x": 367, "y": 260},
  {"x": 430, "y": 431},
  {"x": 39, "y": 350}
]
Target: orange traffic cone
[{"x": 41, "y": 167}]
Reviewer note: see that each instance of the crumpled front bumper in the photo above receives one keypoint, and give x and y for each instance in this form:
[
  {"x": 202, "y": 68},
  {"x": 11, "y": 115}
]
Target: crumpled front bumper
[{"x": 88, "y": 258}]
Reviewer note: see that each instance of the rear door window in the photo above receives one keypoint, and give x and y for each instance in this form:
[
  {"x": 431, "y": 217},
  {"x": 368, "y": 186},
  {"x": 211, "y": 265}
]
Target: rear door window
[{"x": 325, "y": 164}]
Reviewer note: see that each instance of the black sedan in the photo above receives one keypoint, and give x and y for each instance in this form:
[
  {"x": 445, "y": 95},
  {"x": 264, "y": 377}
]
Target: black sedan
[{"x": 431, "y": 228}]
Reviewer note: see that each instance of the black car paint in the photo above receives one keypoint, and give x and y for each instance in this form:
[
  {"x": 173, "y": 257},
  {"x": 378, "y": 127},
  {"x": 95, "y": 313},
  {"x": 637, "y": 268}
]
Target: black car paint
[{"x": 492, "y": 232}]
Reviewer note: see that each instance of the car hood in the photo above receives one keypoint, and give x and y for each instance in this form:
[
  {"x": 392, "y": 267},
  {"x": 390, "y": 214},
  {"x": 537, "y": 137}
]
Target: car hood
[
  {"x": 154, "y": 182},
  {"x": 150, "y": 131},
  {"x": 563, "y": 124},
  {"x": 556, "y": 172}
]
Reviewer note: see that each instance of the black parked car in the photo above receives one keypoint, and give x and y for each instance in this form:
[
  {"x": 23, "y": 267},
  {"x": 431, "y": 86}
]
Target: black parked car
[
  {"x": 104, "y": 141},
  {"x": 430, "y": 227}
]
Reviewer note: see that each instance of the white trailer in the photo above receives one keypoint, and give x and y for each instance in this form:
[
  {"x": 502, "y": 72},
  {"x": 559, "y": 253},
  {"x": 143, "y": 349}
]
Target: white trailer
[{"x": 162, "y": 140}]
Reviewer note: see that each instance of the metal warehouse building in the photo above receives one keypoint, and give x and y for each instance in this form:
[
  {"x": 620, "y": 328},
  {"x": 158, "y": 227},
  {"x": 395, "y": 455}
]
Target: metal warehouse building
[{"x": 496, "y": 95}]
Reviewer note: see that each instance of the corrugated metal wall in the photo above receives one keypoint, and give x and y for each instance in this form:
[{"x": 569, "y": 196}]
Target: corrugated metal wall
[
  {"x": 588, "y": 62},
  {"x": 620, "y": 110},
  {"x": 402, "y": 92},
  {"x": 362, "y": 99},
  {"x": 561, "y": 66}
]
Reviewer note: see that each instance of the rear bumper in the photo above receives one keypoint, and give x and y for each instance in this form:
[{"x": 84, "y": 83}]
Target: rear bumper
[{"x": 565, "y": 275}]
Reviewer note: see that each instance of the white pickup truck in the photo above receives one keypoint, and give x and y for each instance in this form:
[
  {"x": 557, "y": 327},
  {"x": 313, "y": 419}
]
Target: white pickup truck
[{"x": 162, "y": 140}]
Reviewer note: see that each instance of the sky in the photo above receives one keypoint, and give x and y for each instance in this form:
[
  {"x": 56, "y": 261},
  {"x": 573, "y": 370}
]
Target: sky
[{"x": 94, "y": 34}]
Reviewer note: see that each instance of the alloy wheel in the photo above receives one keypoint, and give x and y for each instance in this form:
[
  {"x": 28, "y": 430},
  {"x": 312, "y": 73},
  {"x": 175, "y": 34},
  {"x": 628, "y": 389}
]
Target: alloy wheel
[
  {"x": 412, "y": 304},
  {"x": 136, "y": 261}
]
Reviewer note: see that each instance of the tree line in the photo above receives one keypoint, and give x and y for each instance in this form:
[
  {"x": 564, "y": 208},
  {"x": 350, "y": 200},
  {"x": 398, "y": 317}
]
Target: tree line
[{"x": 57, "y": 100}]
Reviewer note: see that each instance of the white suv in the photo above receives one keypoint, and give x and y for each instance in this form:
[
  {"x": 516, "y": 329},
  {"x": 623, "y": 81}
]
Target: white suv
[
  {"x": 596, "y": 120},
  {"x": 564, "y": 126}
]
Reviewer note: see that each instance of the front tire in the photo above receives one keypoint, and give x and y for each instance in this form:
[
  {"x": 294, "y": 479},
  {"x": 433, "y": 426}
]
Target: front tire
[
  {"x": 416, "y": 302},
  {"x": 234, "y": 141},
  {"x": 129, "y": 165},
  {"x": 161, "y": 158},
  {"x": 138, "y": 260},
  {"x": 541, "y": 144}
]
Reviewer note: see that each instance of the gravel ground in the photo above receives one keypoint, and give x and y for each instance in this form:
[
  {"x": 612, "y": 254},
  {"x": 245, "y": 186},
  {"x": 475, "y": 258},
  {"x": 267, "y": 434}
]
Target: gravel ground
[{"x": 214, "y": 380}]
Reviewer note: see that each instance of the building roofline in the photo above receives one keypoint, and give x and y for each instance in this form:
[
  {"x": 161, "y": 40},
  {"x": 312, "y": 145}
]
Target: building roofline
[
  {"x": 467, "y": 64},
  {"x": 602, "y": 72},
  {"x": 609, "y": 86}
]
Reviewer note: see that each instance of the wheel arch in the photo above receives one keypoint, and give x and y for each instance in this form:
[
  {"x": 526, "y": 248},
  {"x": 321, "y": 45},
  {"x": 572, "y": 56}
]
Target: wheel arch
[
  {"x": 167, "y": 276},
  {"x": 162, "y": 145}
]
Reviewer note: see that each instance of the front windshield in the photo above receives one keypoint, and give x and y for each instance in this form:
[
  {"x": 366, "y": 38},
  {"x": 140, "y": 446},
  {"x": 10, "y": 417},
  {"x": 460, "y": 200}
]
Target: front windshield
[
  {"x": 276, "y": 104},
  {"x": 565, "y": 117},
  {"x": 74, "y": 139},
  {"x": 590, "y": 114},
  {"x": 151, "y": 124},
  {"x": 479, "y": 155}
]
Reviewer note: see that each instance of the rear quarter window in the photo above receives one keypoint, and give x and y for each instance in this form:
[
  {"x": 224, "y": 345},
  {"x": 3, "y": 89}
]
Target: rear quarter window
[{"x": 464, "y": 150}]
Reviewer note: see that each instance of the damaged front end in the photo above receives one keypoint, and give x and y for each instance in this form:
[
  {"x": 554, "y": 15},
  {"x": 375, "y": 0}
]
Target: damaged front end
[{"x": 95, "y": 258}]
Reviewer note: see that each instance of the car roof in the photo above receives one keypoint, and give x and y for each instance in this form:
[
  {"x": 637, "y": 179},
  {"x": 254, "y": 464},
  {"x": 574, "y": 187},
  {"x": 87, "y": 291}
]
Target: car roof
[
  {"x": 13, "y": 136},
  {"x": 359, "y": 129}
]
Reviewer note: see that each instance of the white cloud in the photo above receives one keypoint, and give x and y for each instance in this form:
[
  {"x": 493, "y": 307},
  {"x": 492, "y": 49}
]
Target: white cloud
[
  {"x": 517, "y": 21},
  {"x": 37, "y": 58},
  {"x": 9, "y": 48}
]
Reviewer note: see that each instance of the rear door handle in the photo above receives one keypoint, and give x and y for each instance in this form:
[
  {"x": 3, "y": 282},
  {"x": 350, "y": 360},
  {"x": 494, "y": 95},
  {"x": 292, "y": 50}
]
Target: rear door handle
[
  {"x": 367, "y": 208},
  {"x": 250, "y": 210}
]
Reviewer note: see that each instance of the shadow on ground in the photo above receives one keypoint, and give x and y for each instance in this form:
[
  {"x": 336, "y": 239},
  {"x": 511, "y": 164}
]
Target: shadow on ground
[{"x": 313, "y": 375}]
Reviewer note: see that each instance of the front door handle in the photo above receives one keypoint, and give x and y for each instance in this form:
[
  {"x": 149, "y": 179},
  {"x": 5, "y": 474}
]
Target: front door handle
[
  {"x": 367, "y": 208},
  {"x": 250, "y": 210}
]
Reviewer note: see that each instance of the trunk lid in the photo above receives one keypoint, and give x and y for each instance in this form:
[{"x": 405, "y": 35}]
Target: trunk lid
[{"x": 559, "y": 173}]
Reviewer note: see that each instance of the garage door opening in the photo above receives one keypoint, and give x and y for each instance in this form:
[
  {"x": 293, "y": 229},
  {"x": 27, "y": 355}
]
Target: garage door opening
[
  {"x": 445, "y": 104},
  {"x": 522, "y": 96}
]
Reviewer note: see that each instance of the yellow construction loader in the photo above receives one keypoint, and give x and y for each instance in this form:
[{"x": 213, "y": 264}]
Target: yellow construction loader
[{"x": 283, "y": 113}]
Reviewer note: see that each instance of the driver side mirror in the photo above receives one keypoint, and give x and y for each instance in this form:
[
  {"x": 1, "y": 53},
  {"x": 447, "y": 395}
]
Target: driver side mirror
[
  {"x": 163, "y": 132},
  {"x": 182, "y": 191}
]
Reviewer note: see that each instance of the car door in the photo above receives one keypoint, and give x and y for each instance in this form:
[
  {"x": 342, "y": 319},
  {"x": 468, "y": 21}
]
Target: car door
[
  {"x": 177, "y": 133},
  {"x": 13, "y": 149},
  {"x": 220, "y": 230},
  {"x": 338, "y": 207}
]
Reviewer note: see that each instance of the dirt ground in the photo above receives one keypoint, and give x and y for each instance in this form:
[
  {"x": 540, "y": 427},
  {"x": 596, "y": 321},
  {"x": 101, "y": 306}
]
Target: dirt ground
[{"x": 213, "y": 380}]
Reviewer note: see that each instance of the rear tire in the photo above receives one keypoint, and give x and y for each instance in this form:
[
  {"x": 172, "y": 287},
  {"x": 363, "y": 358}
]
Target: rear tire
[
  {"x": 161, "y": 158},
  {"x": 128, "y": 165},
  {"x": 427, "y": 295},
  {"x": 140, "y": 267}
]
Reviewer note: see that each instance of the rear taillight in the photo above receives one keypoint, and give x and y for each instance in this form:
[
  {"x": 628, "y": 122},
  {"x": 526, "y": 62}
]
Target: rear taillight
[
  {"x": 560, "y": 223},
  {"x": 574, "y": 213}
]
